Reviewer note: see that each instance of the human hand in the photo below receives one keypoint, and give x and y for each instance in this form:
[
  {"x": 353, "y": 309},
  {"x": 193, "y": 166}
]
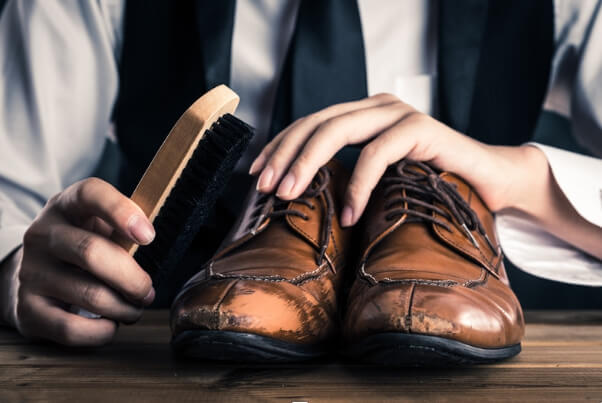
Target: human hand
[
  {"x": 68, "y": 258},
  {"x": 391, "y": 130}
]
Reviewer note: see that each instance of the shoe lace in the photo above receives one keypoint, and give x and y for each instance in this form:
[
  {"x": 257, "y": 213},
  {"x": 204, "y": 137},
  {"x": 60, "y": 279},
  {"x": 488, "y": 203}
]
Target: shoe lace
[
  {"x": 424, "y": 189},
  {"x": 270, "y": 206}
]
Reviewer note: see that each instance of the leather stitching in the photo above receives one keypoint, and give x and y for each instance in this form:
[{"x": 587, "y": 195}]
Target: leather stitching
[
  {"x": 362, "y": 272},
  {"x": 460, "y": 246},
  {"x": 499, "y": 257},
  {"x": 484, "y": 260},
  {"x": 482, "y": 280},
  {"x": 334, "y": 244},
  {"x": 478, "y": 282},
  {"x": 438, "y": 283},
  {"x": 274, "y": 279},
  {"x": 298, "y": 228},
  {"x": 325, "y": 272}
]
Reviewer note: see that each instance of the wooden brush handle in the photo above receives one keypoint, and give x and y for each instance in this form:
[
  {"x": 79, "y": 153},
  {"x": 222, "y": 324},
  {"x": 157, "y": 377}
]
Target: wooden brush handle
[{"x": 168, "y": 163}]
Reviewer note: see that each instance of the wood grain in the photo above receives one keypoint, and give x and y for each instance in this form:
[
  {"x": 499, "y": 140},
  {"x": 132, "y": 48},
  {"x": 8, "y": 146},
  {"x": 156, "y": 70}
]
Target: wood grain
[{"x": 561, "y": 361}]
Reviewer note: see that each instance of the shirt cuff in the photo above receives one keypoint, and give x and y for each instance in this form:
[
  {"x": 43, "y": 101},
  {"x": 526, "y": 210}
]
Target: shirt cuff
[
  {"x": 580, "y": 179},
  {"x": 543, "y": 255}
]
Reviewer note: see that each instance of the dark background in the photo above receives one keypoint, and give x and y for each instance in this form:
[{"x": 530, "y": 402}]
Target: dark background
[{"x": 533, "y": 292}]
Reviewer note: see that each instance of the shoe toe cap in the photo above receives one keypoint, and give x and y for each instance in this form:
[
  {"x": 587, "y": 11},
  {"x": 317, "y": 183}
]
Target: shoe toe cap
[
  {"x": 280, "y": 310},
  {"x": 485, "y": 318}
]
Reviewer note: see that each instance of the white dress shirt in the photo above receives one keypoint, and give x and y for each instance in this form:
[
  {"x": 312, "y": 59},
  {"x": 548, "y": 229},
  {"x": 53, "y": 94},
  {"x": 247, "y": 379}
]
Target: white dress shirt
[{"x": 60, "y": 80}]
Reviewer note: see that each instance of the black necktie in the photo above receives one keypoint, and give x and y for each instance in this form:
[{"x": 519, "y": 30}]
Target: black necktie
[{"x": 325, "y": 64}]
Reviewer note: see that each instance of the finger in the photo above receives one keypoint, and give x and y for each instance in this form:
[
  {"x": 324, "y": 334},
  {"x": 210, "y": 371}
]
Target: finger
[
  {"x": 103, "y": 259},
  {"x": 95, "y": 197},
  {"x": 76, "y": 287},
  {"x": 259, "y": 162},
  {"x": 299, "y": 132},
  {"x": 309, "y": 123},
  {"x": 388, "y": 148},
  {"x": 98, "y": 226},
  {"x": 351, "y": 128},
  {"x": 43, "y": 318}
]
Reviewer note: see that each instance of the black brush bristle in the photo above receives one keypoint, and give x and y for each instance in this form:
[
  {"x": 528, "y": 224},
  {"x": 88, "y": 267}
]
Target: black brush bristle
[{"x": 192, "y": 198}]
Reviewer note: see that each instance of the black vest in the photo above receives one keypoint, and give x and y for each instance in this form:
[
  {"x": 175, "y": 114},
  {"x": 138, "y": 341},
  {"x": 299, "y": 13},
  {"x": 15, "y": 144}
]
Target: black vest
[{"x": 494, "y": 63}]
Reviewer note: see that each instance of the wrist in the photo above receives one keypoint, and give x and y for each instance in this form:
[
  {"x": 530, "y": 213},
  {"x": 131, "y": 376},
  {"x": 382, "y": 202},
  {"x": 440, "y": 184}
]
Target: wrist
[
  {"x": 530, "y": 177},
  {"x": 508, "y": 177}
]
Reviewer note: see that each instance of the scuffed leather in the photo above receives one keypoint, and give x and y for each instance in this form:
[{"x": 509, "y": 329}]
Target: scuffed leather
[
  {"x": 268, "y": 281},
  {"x": 416, "y": 277}
]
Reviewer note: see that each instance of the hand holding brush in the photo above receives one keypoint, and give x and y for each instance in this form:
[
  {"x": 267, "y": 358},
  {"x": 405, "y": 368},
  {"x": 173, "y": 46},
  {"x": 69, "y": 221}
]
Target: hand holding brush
[{"x": 84, "y": 250}]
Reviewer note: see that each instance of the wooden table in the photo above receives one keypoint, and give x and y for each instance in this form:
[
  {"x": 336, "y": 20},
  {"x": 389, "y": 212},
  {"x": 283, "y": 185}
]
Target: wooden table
[{"x": 561, "y": 361}]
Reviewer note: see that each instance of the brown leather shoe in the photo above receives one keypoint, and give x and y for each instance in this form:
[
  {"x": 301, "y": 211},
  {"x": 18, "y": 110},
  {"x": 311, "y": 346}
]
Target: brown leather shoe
[
  {"x": 270, "y": 293},
  {"x": 431, "y": 287}
]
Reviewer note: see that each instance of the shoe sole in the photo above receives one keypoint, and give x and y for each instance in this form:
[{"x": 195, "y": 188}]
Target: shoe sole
[
  {"x": 241, "y": 347},
  {"x": 401, "y": 349}
]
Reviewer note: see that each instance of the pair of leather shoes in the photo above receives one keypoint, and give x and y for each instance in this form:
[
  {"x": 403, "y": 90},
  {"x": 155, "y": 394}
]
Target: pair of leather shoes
[{"x": 424, "y": 285}]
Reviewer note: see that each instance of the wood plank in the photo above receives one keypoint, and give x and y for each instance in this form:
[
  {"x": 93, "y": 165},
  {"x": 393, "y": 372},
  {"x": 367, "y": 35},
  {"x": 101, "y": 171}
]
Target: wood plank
[
  {"x": 561, "y": 361},
  {"x": 564, "y": 317}
]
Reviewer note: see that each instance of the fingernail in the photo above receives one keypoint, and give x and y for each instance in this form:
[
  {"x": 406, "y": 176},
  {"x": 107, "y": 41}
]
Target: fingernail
[
  {"x": 255, "y": 165},
  {"x": 286, "y": 185},
  {"x": 265, "y": 179},
  {"x": 347, "y": 216},
  {"x": 141, "y": 230},
  {"x": 149, "y": 297}
]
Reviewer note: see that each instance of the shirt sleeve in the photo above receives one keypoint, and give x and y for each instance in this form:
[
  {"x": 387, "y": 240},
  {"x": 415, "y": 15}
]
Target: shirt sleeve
[
  {"x": 542, "y": 254},
  {"x": 576, "y": 93},
  {"x": 59, "y": 82}
]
